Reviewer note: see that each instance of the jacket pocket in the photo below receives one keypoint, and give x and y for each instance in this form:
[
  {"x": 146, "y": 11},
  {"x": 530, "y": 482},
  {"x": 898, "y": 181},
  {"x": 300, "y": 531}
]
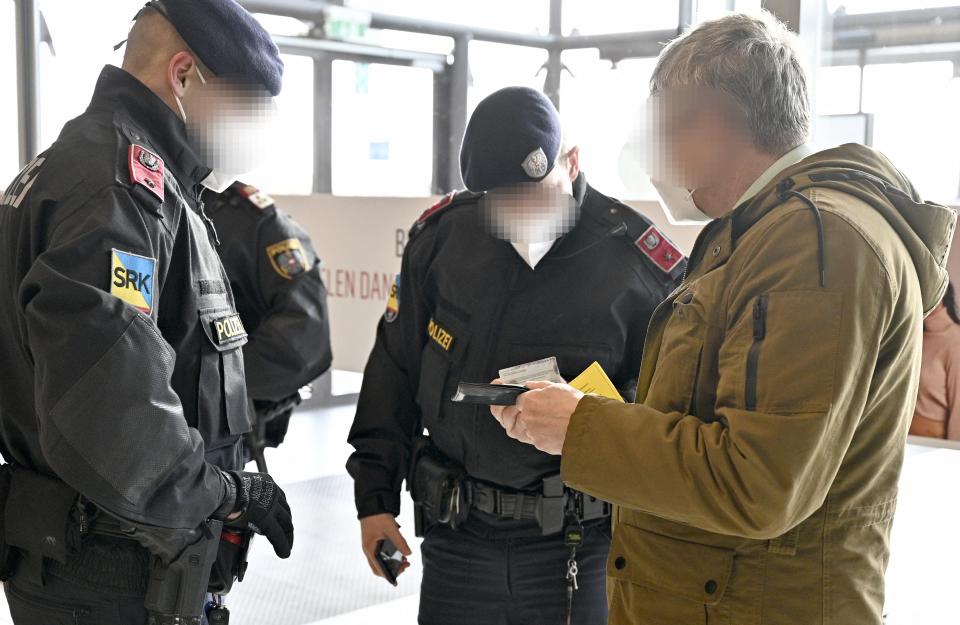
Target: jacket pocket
[
  {"x": 674, "y": 381},
  {"x": 691, "y": 571},
  {"x": 792, "y": 359},
  {"x": 222, "y": 407},
  {"x": 667, "y": 581},
  {"x": 441, "y": 363}
]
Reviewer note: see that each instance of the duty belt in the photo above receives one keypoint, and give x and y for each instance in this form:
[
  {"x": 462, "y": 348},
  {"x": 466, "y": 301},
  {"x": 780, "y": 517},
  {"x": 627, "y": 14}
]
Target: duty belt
[{"x": 548, "y": 508}]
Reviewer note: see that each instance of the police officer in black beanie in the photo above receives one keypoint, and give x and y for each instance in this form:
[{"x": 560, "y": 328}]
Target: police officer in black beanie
[
  {"x": 122, "y": 399},
  {"x": 529, "y": 263}
]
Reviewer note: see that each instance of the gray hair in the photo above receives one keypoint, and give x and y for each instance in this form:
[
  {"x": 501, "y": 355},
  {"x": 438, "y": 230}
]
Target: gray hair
[{"x": 754, "y": 59}]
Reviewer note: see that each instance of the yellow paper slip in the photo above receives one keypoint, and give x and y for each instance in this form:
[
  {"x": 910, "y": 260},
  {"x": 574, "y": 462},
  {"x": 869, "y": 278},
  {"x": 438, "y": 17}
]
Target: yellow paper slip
[{"x": 594, "y": 381}]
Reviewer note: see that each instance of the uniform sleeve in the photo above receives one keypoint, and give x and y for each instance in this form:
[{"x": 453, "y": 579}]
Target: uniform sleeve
[
  {"x": 766, "y": 458},
  {"x": 387, "y": 415},
  {"x": 110, "y": 424},
  {"x": 291, "y": 345},
  {"x": 653, "y": 292}
]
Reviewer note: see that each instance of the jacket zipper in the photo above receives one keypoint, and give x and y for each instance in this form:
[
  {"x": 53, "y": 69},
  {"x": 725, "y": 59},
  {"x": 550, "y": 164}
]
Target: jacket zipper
[{"x": 753, "y": 356}]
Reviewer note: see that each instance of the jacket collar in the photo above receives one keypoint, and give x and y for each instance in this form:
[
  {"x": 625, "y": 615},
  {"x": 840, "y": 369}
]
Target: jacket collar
[{"x": 117, "y": 90}]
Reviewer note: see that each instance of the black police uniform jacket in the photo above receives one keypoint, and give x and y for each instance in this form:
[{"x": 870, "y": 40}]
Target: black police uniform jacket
[
  {"x": 120, "y": 343},
  {"x": 275, "y": 277},
  {"x": 469, "y": 306}
]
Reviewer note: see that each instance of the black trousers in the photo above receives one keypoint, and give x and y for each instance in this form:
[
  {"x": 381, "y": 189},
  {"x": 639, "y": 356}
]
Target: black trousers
[
  {"x": 104, "y": 583},
  {"x": 469, "y": 580},
  {"x": 62, "y": 602}
]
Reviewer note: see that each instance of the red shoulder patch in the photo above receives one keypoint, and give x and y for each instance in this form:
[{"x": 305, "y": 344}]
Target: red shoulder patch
[
  {"x": 146, "y": 168},
  {"x": 436, "y": 208},
  {"x": 659, "y": 249}
]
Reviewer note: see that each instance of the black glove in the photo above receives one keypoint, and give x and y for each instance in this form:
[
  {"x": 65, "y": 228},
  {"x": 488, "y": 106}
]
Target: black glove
[{"x": 263, "y": 508}]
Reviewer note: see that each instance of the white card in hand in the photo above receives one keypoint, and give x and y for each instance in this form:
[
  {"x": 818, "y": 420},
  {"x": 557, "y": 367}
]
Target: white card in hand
[{"x": 545, "y": 369}]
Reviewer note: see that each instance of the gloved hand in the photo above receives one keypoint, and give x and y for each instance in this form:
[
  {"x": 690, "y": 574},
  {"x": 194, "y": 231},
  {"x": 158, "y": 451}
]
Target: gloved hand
[{"x": 263, "y": 508}]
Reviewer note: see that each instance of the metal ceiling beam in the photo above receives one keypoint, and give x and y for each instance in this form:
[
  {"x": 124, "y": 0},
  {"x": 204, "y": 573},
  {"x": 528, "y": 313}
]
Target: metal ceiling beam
[
  {"x": 27, "y": 17},
  {"x": 314, "y": 11},
  {"x": 358, "y": 51},
  {"x": 850, "y": 32},
  {"x": 554, "y": 64}
]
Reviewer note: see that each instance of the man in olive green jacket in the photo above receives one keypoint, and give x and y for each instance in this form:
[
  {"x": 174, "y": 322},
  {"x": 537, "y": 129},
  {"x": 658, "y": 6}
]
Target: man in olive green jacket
[{"x": 755, "y": 478}]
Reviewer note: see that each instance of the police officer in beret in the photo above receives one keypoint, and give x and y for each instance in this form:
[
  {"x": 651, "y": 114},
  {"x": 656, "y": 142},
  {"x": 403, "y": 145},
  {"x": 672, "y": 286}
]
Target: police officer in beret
[
  {"x": 122, "y": 400},
  {"x": 530, "y": 263},
  {"x": 275, "y": 278}
]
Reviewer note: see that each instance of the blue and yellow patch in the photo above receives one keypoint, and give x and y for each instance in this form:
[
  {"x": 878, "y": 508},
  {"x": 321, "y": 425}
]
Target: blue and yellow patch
[
  {"x": 131, "y": 279},
  {"x": 393, "y": 303}
]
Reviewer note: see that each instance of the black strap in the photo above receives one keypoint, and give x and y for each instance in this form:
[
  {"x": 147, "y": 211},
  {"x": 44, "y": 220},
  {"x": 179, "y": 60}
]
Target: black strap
[
  {"x": 505, "y": 504},
  {"x": 509, "y": 504}
]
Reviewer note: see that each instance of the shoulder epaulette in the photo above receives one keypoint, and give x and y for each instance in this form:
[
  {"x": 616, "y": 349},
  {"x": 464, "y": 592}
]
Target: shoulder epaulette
[
  {"x": 647, "y": 239},
  {"x": 450, "y": 200},
  {"x": 146, "y": 169},
  {"x": 252, "y": 194}
]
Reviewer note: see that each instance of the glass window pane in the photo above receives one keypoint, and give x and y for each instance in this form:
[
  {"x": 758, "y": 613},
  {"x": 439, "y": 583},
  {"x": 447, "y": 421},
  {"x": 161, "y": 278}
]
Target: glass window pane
[
  {"x": 838, "y": 90},
  {"x": 911, "y": 100},
  {"x": 9, "y": 133},
  {"x": 382, "y": 129},
  {"x": 617, "y": 16},
  {"x": 851, "y": 7},
  {"x": 67, "y": 78},
  {"x": 289, "y": 168},
  {"x": 599, "y": 105},
  {"x": 528, "y": 16},
  {"x": 494, "y": 66}
]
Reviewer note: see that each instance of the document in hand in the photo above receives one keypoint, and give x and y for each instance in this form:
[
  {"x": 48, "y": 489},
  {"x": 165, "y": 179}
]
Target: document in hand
[{"x": 594, "y": 381}]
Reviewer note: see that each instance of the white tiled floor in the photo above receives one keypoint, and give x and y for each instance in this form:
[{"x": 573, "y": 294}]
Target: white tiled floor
[{"x": 923, "y": 570}]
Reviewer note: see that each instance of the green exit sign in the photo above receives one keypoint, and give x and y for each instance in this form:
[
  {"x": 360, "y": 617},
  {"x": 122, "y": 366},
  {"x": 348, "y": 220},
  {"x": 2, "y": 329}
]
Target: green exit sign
[{"x": 345, "y": 24}]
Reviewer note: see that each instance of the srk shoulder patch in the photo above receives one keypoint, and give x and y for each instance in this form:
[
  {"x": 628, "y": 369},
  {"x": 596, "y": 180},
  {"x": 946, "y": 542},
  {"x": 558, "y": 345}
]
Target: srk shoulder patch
[
  {"x": 287, "y": 258},
  {"x": 131, "y": 279},
  {"x": 658, "y": 248},
  {"x": 393, "y": 302},
  {"x": 146, "y": 168}
]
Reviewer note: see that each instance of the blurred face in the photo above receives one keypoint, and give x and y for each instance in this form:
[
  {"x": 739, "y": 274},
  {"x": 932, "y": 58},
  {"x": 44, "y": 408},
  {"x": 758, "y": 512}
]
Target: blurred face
[
  {"x": 228, "y": 124},
  {"x": 695, "y": 132},
  {"x": 532, "y": 212},
  {"x": 227, "y": 121}
]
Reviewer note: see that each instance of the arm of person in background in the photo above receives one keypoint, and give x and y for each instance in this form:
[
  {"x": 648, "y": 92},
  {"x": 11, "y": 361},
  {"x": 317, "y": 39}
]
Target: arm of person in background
[
  {"x": 953, "y": 390},
  {"x": 110, "y": 424},
  {"x": 388, "y": 417},
  {"x": 291, "y": 345},
  {"x": 633, "y": 351}
]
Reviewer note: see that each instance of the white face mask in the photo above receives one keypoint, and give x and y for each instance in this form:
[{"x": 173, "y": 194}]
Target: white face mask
[
  {"x": 678, "y": 204},
  {"x": 228, "y": 131},
  {"x": 532, "y": 253}
]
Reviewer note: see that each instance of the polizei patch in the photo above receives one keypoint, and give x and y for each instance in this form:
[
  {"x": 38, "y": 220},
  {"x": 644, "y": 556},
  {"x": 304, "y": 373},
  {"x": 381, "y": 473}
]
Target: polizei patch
[
  {"x": 227, "y": 329},
  {"x": 132, "y": 279}
]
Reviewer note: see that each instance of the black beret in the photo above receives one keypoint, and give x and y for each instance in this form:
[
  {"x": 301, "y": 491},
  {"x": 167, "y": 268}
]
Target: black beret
[
  {"x": 228, "y": 40},
  {"x": 513, "y": 136}
]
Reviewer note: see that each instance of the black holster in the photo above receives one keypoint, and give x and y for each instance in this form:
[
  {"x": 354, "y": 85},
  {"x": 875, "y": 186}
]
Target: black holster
[
  {"x": 438, "y": 488},
  {"x": 231, "y": 563},
  {"x": 8, "y": 555},
  {"x": 176, "y": 591}
]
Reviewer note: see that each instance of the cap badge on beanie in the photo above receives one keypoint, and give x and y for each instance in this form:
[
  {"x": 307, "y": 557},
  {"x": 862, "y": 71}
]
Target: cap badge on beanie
[{"x": 536, "y": 164}]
